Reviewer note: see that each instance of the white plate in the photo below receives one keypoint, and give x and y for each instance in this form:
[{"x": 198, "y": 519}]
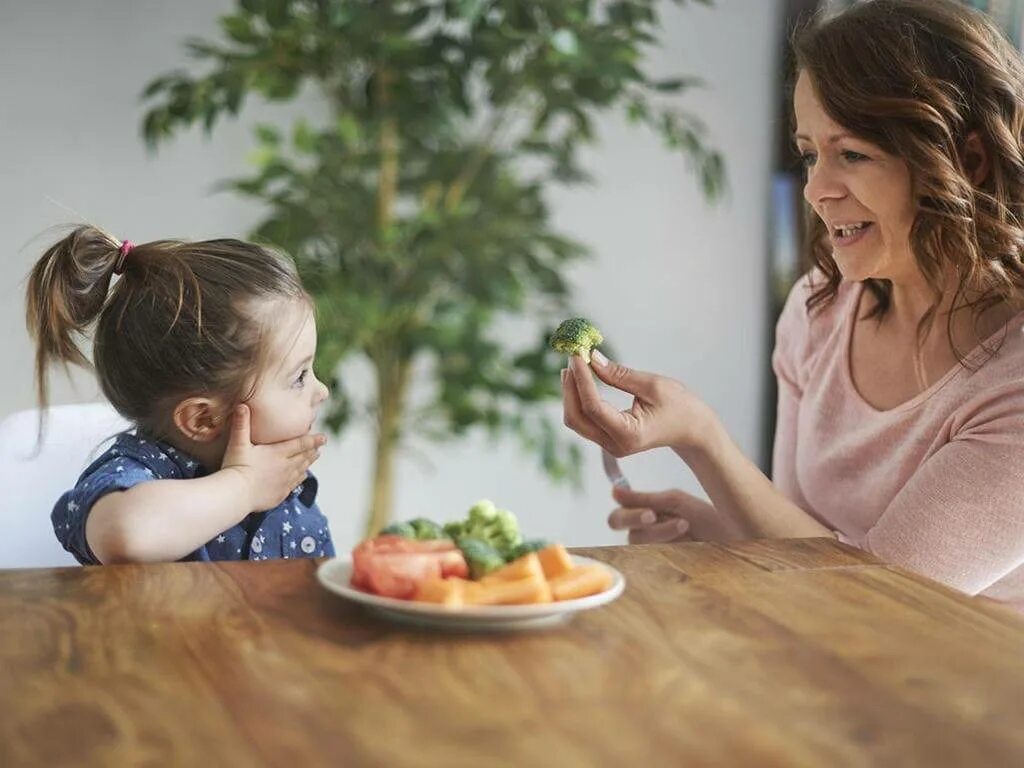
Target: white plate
[{"x": 336, "y": 575}]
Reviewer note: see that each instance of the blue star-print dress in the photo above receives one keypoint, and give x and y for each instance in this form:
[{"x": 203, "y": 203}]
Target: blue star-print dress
[{"x": 294, "y": 528}]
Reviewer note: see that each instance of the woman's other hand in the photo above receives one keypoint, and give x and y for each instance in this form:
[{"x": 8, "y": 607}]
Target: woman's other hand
[{"x": 674, "y": 515}]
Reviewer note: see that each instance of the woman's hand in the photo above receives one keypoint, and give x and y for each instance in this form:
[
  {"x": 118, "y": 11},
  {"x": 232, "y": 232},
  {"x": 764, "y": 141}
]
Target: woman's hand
[
  {"x": 673, "y": 515},
  {"x": 664, "y": 412},
  {"x": 271, "y": 471}
]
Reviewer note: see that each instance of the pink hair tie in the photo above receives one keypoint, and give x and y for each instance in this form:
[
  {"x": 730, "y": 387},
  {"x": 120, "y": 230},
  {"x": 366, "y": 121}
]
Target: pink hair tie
[{"x": 123, "y": 251}]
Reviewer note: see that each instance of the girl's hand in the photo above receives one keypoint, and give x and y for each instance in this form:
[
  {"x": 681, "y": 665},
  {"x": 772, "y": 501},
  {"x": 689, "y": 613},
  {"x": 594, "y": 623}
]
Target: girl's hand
[
  {"x": 271, "y": 471},
  {"x": 664, "y": 412},
  {"x": 666, "y": 516}
]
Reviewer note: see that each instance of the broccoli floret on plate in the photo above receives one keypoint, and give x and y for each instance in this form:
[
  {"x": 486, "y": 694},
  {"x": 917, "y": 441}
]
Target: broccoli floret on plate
[{"x": 480, "y": 556}]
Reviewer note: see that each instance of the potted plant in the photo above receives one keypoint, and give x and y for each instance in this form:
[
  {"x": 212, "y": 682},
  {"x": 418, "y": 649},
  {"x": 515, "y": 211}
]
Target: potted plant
[{"x": 416, "y": 210}]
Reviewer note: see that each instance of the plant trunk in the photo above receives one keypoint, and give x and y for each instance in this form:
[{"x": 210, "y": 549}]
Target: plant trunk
[
  {"x": 392, "y": 370},
  {"x": 392, "y": 384},
  {"x": 387, "y": 180}
]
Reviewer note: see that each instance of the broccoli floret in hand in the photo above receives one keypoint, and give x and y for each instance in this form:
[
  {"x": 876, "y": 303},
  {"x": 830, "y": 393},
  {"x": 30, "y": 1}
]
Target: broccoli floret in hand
[{"x": 576, "y": 336}]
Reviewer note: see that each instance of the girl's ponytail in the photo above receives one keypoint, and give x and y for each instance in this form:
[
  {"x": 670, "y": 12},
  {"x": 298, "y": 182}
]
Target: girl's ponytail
[{"x": 66, "y": 291}]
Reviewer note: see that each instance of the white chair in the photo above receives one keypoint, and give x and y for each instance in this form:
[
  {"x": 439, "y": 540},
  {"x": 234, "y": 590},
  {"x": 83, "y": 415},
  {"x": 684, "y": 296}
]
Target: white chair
[{"x": 31, "y": 482}]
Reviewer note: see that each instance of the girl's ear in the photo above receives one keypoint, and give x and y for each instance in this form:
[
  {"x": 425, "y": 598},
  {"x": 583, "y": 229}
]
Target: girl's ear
[{"x": 199, "y": 419}]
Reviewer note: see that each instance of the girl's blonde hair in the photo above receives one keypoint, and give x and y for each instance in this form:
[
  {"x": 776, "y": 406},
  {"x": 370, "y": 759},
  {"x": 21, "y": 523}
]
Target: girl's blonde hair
[{"x": 183, "y": 319}]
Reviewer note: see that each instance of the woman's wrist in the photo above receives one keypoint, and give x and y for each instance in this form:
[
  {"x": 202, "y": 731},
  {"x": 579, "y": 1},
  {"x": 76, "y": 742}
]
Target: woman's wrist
[{"x": 707, "y": 440}]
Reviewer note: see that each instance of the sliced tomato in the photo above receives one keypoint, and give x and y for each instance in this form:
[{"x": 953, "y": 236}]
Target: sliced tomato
[
  {"x": 396, "y": 575},
  {"x": 364, "y": 552},
  {"x": 393, "y": 566},
  {"x": 453, "y": 564}
]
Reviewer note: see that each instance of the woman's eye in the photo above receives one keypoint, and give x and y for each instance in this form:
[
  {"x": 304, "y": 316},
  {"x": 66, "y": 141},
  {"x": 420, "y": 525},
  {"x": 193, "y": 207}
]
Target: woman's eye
[
  {"x": 807, "y": 159},
  {"x": 854, "y": 157}
]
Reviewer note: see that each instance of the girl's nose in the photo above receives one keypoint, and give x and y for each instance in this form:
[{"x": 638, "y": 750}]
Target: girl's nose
[{"x": 321, "y": 391}]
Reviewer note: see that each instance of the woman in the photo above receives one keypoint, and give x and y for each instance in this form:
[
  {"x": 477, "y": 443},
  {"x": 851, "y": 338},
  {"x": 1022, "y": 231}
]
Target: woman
[{"x": 900, "y": 356}]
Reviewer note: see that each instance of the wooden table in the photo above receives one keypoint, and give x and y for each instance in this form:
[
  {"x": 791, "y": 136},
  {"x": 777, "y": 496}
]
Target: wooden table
[{"x": 766, "y": 653}]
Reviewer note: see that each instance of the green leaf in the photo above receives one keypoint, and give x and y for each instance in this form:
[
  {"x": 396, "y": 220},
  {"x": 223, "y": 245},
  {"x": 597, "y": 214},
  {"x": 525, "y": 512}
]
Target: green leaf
[
  {"x": 268, "y": 134},
  {"x": 468, "y": 10},
  {"x": 303, "y": 136},
  {"x": 239, "y": 29},
  {"x": 277, "y": 12},
  {"x": 261, "y": 157},
  {"x": 675, "y": 84},
  {"x": 349, "y": 129}
]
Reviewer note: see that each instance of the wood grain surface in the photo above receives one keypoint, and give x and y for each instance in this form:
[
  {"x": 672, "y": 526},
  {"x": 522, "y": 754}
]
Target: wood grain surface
[{"x": 804, "y": 653}]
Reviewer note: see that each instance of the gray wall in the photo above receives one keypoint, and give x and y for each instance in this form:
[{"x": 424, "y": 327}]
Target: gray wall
[{"x": 677, "y": 286}]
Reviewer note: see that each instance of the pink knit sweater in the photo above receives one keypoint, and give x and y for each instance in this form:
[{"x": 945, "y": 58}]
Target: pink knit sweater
[{"x": 935, "y": 485}]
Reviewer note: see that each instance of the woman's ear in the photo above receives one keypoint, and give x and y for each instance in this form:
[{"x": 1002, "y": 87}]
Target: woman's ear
[
  {"x": 199, "y": 419},
  {"x": 975, "y": 159}
]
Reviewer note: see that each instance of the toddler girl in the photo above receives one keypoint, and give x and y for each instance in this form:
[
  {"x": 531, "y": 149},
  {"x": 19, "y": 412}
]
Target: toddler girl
[{"x": 207, "y": 348}]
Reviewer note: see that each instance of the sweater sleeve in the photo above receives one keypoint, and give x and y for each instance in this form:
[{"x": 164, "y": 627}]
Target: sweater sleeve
[
  {"x": 959, "y": 519},
  {"x": 791, "y": 342}
]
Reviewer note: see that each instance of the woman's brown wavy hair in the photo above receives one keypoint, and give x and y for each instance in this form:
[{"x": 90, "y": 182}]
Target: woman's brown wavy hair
[{"x": 916, "y": 78}]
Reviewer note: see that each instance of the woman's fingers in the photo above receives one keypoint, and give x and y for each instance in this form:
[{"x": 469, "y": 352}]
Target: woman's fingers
[
  {"x": 637, "y": 383},
  {"x": 592, "y": 407},
  {"x": 644, "y": 525},
  {"x": 574, "y": 417},
  {"x": 669, "y": 530},
  {"x": 660, "y": 501},
  {"x": 624, "y": 519}
]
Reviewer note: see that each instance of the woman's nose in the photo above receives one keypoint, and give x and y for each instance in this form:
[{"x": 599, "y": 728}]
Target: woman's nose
[{"x": 823, "y": 183}]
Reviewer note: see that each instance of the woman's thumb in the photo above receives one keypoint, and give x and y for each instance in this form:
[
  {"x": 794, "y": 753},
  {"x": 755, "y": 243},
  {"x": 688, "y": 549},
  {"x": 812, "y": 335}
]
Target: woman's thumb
[{"x": 620, "y": 376}]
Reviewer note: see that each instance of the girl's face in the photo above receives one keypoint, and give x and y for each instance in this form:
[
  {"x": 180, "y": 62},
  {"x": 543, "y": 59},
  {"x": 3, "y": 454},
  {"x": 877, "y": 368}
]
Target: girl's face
[
  {"x": 288, "y": 394},
  {"x": 862, "y": 194}
]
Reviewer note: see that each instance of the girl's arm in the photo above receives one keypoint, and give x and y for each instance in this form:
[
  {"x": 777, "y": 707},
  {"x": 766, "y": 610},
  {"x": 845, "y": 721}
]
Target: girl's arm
[
  {"x": 165, "y": 520},
  {"x": 161, "y": 520}
]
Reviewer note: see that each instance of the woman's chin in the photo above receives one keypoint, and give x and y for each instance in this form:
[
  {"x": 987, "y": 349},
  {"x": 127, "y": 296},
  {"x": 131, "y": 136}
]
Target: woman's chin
[{"x": 852, "y": 270}]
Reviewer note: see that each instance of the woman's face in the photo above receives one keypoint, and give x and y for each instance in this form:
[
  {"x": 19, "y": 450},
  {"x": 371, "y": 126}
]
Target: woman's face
[{"x": 862, "y": 194}]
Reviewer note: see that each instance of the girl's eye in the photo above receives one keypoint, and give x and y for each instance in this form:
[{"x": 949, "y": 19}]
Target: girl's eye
[{"x": 301, "y": 381}]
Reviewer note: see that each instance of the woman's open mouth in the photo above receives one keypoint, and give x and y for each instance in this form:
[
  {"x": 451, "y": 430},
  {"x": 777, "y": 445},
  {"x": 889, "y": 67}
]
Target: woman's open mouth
[{"x": 848, "y": 234}]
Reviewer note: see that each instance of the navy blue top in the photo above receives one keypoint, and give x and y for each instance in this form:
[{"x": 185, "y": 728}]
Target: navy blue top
[{"x": 294, "y": 528}]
